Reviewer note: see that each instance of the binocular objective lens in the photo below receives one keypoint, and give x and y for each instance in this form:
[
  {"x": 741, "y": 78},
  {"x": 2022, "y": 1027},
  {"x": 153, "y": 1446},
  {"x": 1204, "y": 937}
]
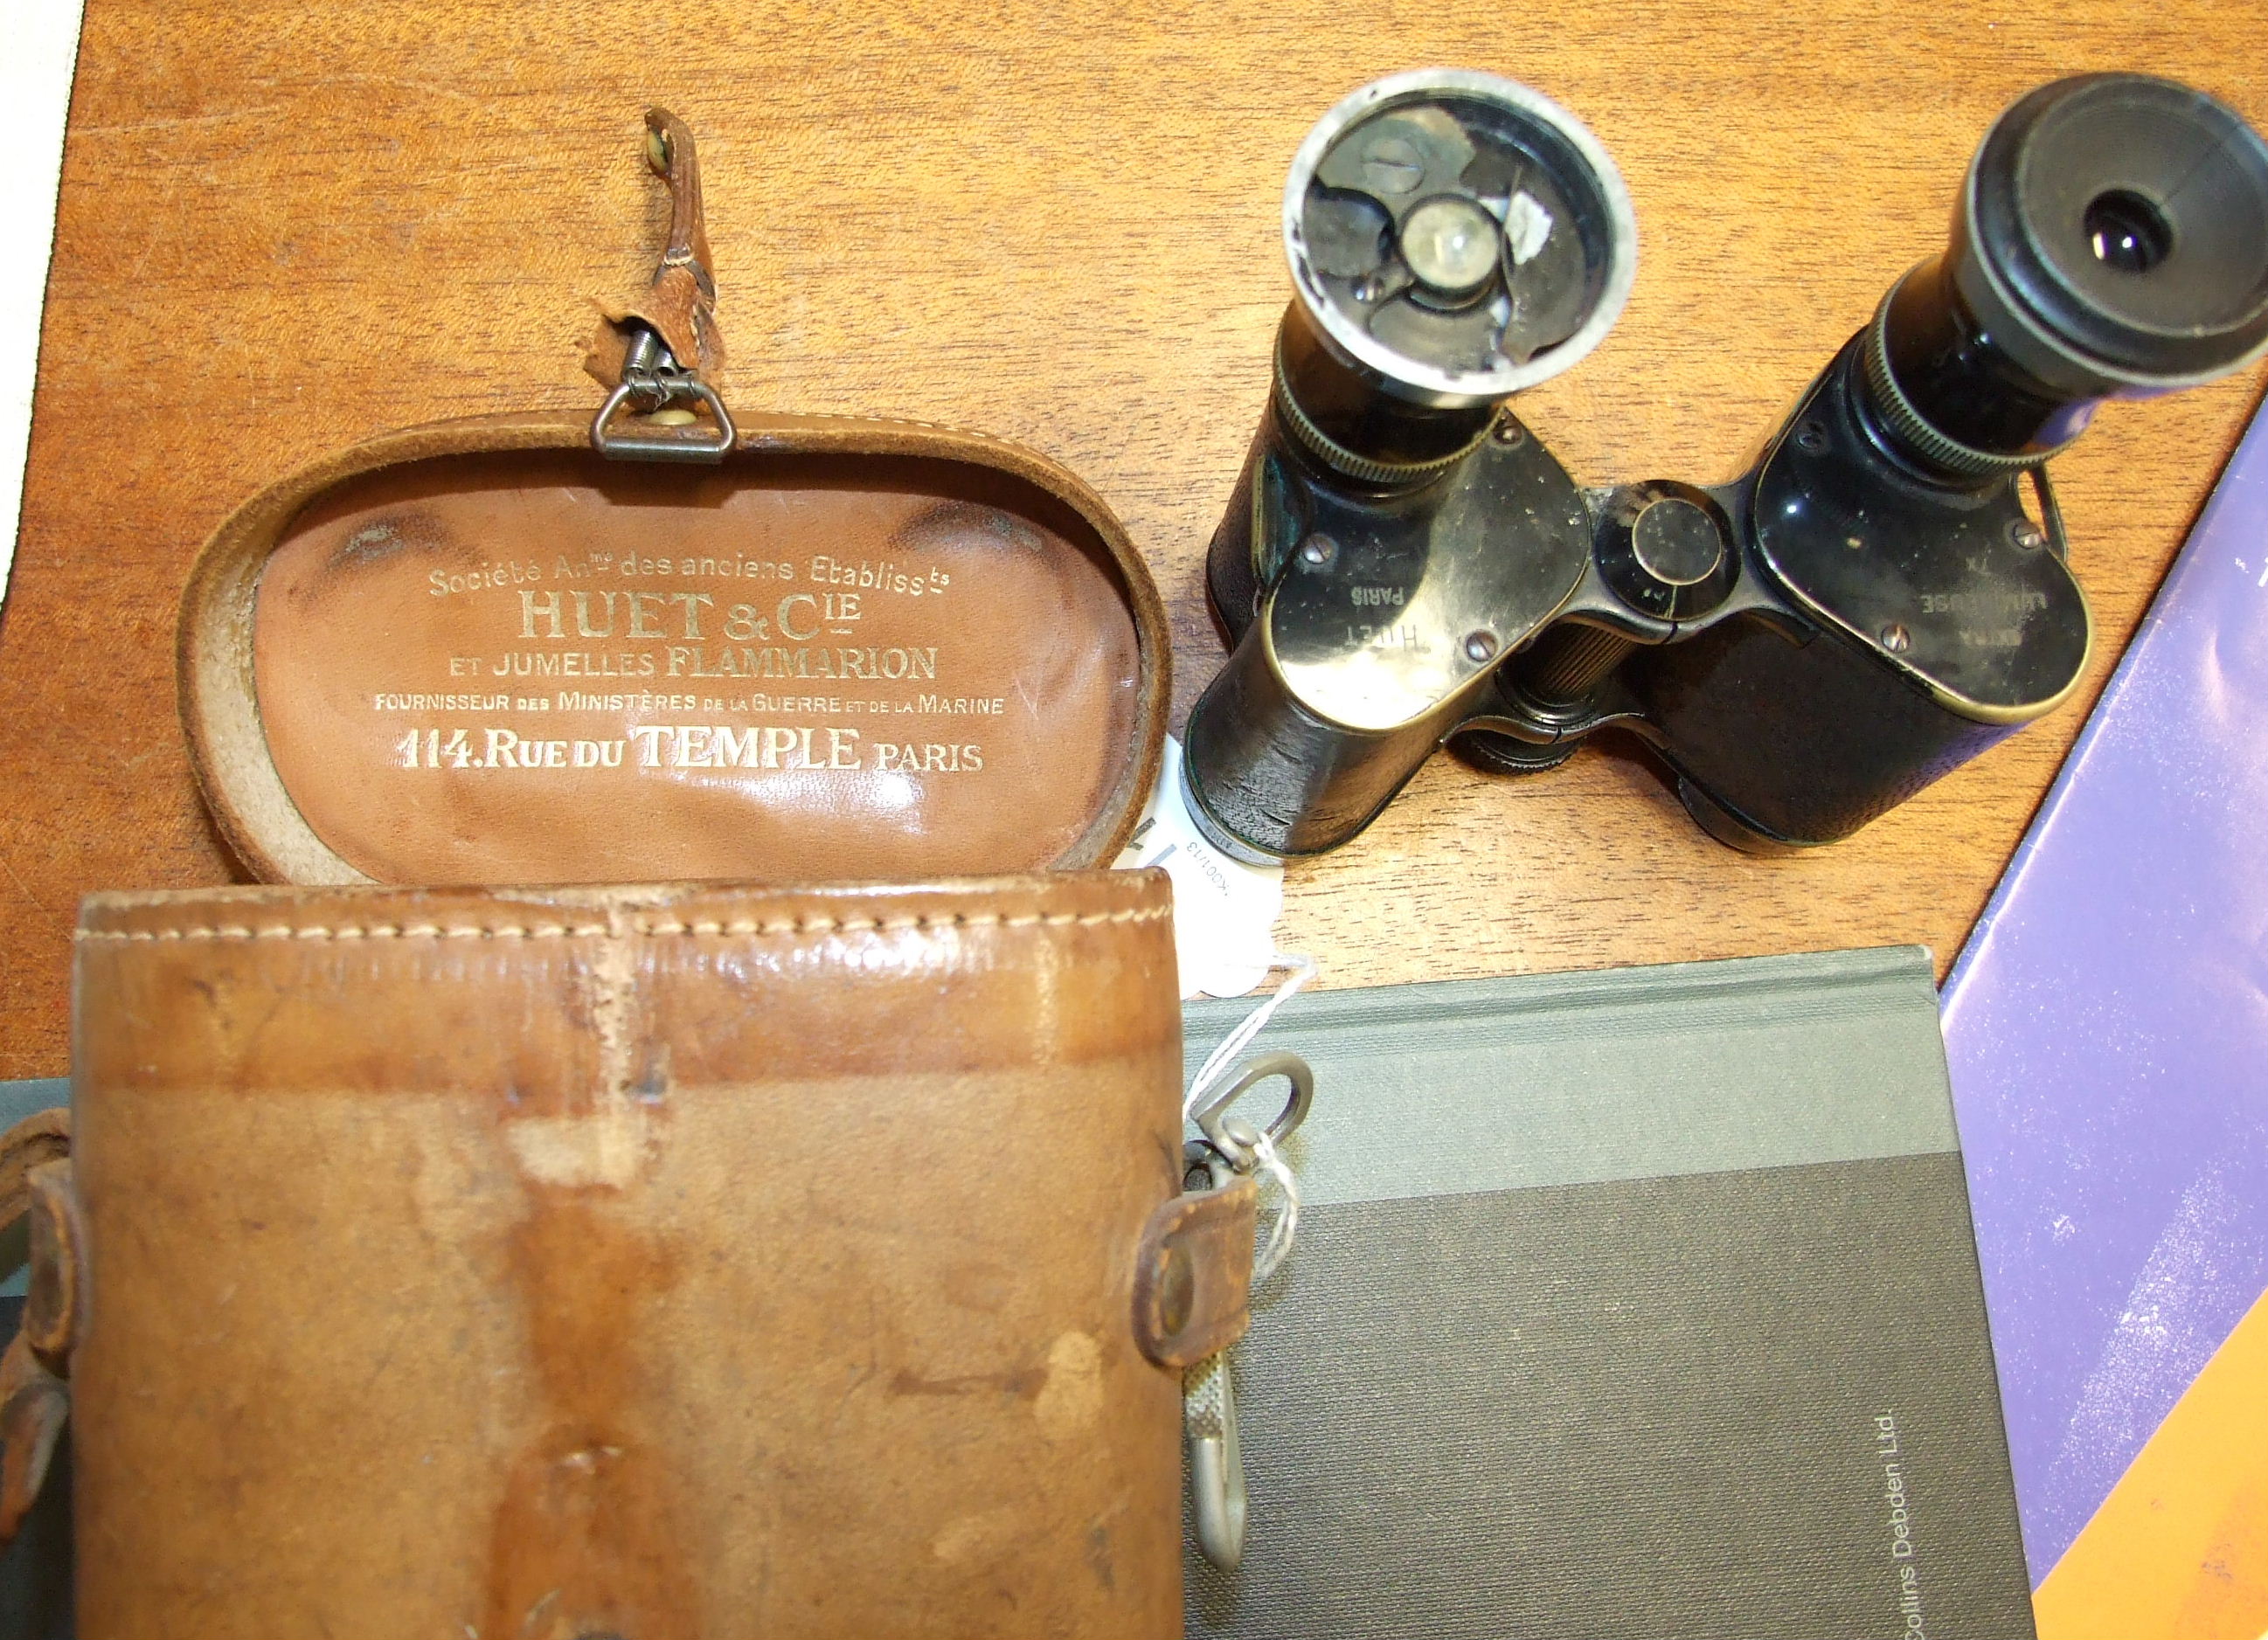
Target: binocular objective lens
[
  {"x": 1450, "y": 245},
  {"x": 1456, "y": 237}
]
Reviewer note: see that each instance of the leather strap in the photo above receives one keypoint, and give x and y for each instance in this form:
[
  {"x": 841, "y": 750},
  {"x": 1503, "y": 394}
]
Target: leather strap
[
  {"x": 43, "y": 1137},
  {"x": 678, "y": 305},
  {"x": 1193, "y": 1274},
  {"x": 35, "y": 1178},
  {"x": 233, "y": 740}
]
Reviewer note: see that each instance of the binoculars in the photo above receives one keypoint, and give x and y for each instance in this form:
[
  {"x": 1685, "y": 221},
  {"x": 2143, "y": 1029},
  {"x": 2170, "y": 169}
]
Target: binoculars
[{"x": 1404, "y": 565}]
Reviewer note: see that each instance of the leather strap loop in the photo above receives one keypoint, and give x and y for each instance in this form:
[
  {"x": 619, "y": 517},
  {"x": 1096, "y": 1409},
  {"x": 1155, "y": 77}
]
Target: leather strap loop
[
  {"x": 678, "y": 305},
  {"x": 43, "y": 1137},
  {"x": 1193, "y": 1274},
  {"x": 35, "y": 1178},
  {"x": 54, "y": 1303}
]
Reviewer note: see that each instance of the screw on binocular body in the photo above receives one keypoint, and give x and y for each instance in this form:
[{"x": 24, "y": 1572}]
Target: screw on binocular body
[{"x": 2027, "y": 535}]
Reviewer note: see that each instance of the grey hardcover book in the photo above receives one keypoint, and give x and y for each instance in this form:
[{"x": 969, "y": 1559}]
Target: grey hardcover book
[{"x": 1641, "y": 1303}]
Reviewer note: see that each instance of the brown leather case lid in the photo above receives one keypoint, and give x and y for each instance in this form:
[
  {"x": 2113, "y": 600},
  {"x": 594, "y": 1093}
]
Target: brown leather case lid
[{"x": 477, "y": 652}]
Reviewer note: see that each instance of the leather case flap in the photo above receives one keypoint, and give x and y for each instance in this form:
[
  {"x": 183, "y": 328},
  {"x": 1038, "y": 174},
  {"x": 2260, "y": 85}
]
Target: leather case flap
[{"x": 474, "y": 652}]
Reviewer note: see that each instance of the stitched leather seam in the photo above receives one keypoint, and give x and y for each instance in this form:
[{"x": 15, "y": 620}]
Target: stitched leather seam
[{"x": 592, "y": 930}]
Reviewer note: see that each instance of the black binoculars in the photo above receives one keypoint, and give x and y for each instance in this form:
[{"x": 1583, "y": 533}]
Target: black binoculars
[{"x": 1404, "y": 565}]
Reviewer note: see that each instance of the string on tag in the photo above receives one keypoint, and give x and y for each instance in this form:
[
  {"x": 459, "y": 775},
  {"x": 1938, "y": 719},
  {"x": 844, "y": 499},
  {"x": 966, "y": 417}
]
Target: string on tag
[
  {"x": 1284, "y": 1228},
  {"x": 1218, "y": 1503},
  {"x": 1284, "y": 1224},
  {"x": 1301, "y": 968}
]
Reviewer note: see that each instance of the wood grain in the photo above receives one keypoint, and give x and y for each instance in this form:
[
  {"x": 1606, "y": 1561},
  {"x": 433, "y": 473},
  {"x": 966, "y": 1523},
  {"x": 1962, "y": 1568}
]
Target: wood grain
[{"x": 287, "y": 227}]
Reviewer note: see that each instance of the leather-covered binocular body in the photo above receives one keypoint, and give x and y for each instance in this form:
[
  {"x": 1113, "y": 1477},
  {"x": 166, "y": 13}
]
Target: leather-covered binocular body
[{"x": 1403, "y": 564}]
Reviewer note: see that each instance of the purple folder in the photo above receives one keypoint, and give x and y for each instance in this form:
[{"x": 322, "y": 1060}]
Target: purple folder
[{"x": 2108, "y": 1030}]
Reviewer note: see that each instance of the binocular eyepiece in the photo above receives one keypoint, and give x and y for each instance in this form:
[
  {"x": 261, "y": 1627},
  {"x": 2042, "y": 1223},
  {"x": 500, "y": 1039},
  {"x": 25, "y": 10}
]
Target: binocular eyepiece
[
  {"x": 1403, "y": 564},
  {"x": 2111, "y": 240}
]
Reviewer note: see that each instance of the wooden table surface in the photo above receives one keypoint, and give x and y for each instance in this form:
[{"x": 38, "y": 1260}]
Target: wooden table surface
[{"x": 284, "y": 227}]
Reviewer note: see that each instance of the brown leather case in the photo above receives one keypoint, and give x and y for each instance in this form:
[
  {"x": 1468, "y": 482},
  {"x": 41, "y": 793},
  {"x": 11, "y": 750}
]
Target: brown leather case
[
  {"x": 476, "y": 652},
  {"x": 791, "y": 648},
  {"x": 640, "y": 1261}
]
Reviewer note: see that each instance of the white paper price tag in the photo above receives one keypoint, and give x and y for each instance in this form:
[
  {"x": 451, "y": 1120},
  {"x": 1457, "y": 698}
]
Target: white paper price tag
[{"x": 1224, "y": 911}]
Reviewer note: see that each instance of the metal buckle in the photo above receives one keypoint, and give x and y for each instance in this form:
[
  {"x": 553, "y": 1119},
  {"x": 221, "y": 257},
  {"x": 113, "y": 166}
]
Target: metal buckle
[
  {"x": 1219, "y": 1504},
  {"x": 1236, "y": 1140},
  {"x": 653, "y": 380}
]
